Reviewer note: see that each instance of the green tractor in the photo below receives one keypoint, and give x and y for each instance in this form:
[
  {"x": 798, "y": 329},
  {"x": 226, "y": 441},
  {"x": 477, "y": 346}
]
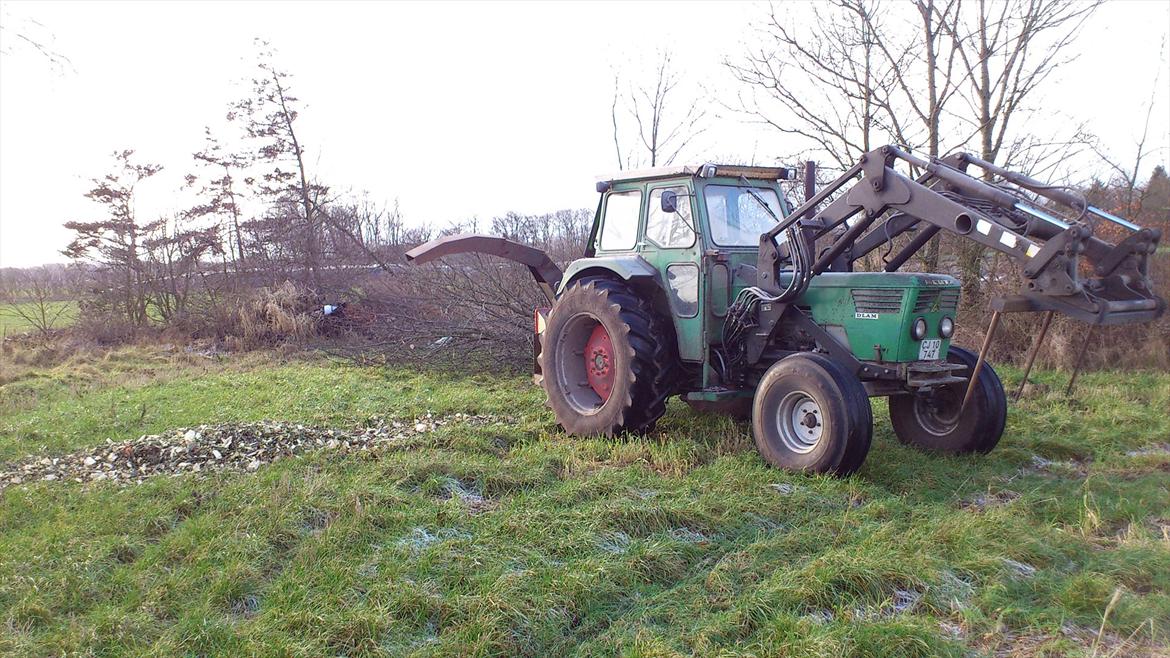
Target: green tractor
[{"x": 703, "y": 282}]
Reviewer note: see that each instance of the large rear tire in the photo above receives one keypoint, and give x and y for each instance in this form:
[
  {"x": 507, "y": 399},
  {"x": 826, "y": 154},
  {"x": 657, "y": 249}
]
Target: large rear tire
[
  {"x": 608, "y": 360},
  {"x": 932, "y": 421},
  {"x": 810, "y": 415}
]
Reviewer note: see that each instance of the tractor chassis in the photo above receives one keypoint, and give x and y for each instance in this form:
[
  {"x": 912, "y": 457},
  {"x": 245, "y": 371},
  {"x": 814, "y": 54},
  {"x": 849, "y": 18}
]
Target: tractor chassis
[{"x": 880, "y": 379}]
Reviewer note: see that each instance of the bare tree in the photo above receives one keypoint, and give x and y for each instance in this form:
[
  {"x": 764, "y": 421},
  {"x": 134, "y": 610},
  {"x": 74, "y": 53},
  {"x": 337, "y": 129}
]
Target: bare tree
[
  {"x": 362, "y": 234},
  {"x": 174, "y": 250},
  {"x": 1008, "y": 50},
  {"x": 25, "y": 32},
  {"x": 824, "y": 81},
  {"x": 115, "y": 243},
  {"x": 1128, "y": 175},
  {"x": 861, "y": 72},
  {"x": 854, "y": 77},
  {"x": 933, "y": 75},
  {"x": 270, "y": 116},
  {"x": 661, "y": 133},
  {"x": 218, "y": 193},
  {"x": 39, "y": 296}
]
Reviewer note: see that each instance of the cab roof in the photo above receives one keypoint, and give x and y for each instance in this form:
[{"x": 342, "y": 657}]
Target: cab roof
[{"x": 702, "y": 171}]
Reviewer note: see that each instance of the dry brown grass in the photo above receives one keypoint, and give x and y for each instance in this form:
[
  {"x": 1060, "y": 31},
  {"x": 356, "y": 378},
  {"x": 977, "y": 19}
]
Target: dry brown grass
[{"x": 276, "y": 315}]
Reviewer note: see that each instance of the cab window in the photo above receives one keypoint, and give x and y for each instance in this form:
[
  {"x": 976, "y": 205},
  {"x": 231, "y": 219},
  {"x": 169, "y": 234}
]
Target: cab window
[
  {"x": 670, "y": 229},
  {"x": 619, "y": 228},
  {"x": 737, "y": 217}
]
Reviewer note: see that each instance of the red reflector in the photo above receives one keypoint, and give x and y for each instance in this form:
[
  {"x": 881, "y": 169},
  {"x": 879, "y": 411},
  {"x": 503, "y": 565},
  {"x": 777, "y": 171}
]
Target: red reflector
[{"x": 539, "y": 320}]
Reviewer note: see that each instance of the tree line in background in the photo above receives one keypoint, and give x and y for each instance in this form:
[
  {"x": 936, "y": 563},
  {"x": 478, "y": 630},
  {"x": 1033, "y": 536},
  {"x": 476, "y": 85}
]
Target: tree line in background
[{"x": 264, "y": 244}]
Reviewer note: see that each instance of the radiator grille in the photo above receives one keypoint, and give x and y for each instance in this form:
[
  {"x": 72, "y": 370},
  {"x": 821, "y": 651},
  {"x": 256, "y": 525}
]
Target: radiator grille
[
  {"x": 877, "y": 300},
  {"x": 947, "y": 299}
]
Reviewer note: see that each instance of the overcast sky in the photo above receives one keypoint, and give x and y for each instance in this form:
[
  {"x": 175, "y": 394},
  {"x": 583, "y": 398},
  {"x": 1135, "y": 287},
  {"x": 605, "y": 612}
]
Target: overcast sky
[{"x": 456, "y": 110}]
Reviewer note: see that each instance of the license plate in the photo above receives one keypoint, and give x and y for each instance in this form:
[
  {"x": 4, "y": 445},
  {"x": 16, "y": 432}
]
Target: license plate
[{"x": 928, "y": 349}]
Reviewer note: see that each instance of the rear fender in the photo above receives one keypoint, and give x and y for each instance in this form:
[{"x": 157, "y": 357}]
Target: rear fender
[
  {"x": 641, "y": 275},
  {"x": 627, "y": 268}
]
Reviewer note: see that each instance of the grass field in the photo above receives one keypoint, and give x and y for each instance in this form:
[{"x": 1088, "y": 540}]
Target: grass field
[
  {"x": 679, "y": 543},
  {"x": 13, "y": 320}
]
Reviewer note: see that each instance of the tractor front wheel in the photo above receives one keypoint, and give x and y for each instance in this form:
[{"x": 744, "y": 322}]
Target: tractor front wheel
[
  {"x": 608, "y": 360},
  {"x": 932, "y": 421},
  {"x": 809, "y": 414}
]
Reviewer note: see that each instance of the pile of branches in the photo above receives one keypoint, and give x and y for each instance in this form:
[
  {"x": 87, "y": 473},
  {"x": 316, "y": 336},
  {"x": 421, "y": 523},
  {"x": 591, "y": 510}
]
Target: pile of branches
[{"x": 465, "y": 312}]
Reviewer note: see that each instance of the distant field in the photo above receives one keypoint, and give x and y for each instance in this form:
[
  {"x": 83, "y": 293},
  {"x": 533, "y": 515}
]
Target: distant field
[
  {"x": 12, "y": 322},
  {"x": 679, "y": 543}
]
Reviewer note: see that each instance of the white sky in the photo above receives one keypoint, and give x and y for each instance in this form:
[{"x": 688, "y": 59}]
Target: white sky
[{"x": 457, "y": 110}]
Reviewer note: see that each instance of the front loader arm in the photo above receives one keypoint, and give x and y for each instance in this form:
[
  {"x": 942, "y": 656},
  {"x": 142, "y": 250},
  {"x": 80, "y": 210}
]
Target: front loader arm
[
  {"x": 543, "y": 269},
  {"x": 876, "y": 203}
]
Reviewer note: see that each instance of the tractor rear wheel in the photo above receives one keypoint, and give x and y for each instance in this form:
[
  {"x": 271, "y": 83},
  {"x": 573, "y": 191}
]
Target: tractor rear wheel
[
  {"x": 932, "y": 421},
  {"x": 608, "y": 360},
  {"x": 811, "y": 415}
]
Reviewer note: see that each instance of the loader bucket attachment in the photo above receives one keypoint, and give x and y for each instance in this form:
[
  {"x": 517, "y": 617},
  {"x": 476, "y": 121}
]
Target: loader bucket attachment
[{"x": 543, "y": 269}]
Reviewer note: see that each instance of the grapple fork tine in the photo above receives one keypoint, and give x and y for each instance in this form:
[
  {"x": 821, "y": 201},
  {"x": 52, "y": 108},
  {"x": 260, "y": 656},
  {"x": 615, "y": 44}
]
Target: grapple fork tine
[
  {"x": 1035, "y": 350},
  {"x": 1072, "y": 381},
  {"x": 979, "y": 361}
]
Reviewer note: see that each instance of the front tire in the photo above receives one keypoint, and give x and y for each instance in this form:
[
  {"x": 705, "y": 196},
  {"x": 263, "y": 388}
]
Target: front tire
[
  {"x": 810, "y": 415},
  {"x": 608, "y": 360},
  {"x": 932, "y": 421}
]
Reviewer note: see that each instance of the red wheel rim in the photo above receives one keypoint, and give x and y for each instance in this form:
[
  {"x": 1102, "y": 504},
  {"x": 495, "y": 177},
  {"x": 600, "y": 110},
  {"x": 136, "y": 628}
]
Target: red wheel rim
[{"x": 599, "y": 369}]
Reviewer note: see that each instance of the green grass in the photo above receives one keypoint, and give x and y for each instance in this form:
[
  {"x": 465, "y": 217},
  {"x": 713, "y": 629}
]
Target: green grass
[
  {"x": 671, "y": 544},
  {"x": 13, "y": 322}
]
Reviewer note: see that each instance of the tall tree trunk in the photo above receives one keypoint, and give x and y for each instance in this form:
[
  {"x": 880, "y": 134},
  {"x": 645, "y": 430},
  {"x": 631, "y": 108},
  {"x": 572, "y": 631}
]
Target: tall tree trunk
[{"x": 312, "y": 243}]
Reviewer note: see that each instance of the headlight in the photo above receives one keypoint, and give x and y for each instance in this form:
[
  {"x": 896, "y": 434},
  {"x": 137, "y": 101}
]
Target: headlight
[
  {"x": 918, "y": 331},
  {"x": 946, "y": 327}
]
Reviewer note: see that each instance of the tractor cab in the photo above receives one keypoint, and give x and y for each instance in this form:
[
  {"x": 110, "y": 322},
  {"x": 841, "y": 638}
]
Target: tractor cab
[
  {"x": 681, "y": 233},
  {"x": 689, "y": 239}
]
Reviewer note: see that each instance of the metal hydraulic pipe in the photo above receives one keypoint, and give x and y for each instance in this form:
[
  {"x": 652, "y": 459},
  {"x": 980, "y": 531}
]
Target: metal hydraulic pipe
[
  {"x": 1054, "y": 192},
  {"x": 1114, "y": 218},
  {"x": 968, "y": 185},
  {"x": 974, "y": 187},
  {"x": 1058, "y": 194},
  {"x": 1041, "y": 215}
]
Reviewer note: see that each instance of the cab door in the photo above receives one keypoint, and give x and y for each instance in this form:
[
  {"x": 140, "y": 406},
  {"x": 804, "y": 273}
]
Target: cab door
[{"x": 671, "y": 244}]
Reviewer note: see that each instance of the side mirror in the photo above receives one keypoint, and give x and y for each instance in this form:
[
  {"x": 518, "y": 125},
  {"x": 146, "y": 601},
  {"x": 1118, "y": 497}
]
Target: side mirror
[{"x": 669, "y": 201}]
